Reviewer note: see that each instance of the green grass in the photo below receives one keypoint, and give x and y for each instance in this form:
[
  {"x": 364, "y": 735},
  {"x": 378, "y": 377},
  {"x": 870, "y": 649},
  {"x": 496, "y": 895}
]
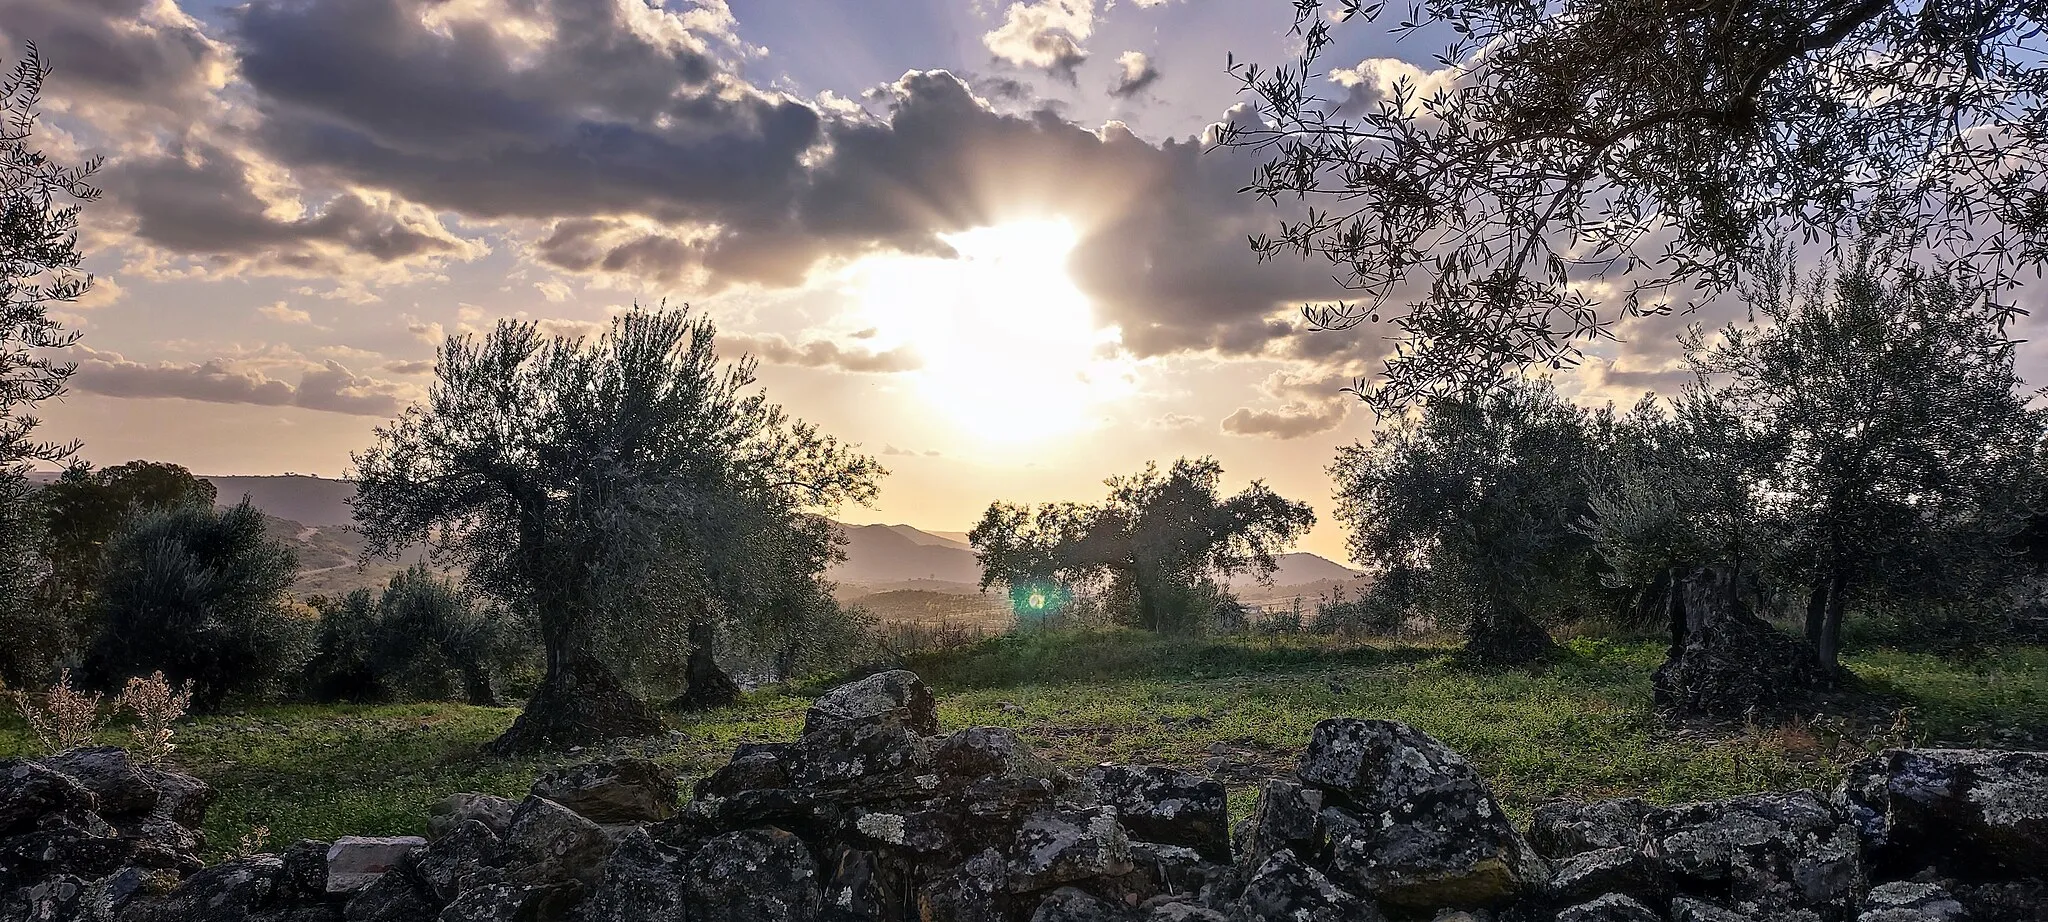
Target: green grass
[{"x": 1579, "y": 726}]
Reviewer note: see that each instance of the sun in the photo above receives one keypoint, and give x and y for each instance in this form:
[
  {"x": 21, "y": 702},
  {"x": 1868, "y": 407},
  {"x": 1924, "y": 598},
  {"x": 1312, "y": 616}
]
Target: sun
[{"x": 1010, "y": 348}]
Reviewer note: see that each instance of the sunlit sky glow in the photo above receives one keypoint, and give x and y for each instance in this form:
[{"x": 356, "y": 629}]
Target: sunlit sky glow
[{"x": 987, "y": 240}]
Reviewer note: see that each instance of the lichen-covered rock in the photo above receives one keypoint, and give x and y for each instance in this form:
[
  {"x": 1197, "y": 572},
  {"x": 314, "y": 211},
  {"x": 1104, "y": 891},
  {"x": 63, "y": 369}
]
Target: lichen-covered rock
[
  {"x": 1905, "y": 901},
  {"x": 921, "y": 831},
  {"x": 548, "y": 843},
  {"x": 858, "y": 759},
  {"x": 56, "y": 899},
  {"x": 395, "y": 897},
  {"x": 1159, "y": 804},
  {"x": 1561, "y": 828},
  {"x": 977, "y": 890},
  {"x": 1285, "y": 888},
  {"x": 1621, "y": 870},
  {"x": 1068, "y": 904},
  {"x": 180, "y": 798},
  {"x": 755, "y": 875},
  {"x": 1176, "y": 910},
  {"x": 452, "y": 811},
  {"x": 1613, "y": 907},
  {"x": 355, "y": 862},
  {"x": 115, "y": 780},
  {"x": 504, "y": 902},
  {"x": 1973, "y": 812},
  {"x": 1428, "y": 833},
  {"x": 616, "y": 791},
  {"x": 753, "y": 768},
  {"x": 1288, "y": 816},
  {"x": 446, "y": 865},
  {"x": 125, "y": 894},
  {"x": 988, "y": 752},
  {"x": 2023, "y": 900},
  {"x": 32, "y": 796},
  {"x": 1765, "y": 854},
  {"x": 1687, "y": 909},
  {"x": 897, "y": 694},
  {"x": 232, "y": 891},
  {"x": 1061, "y": 845},
  {"x": 861, "y": 890},
  {"x": 1160, "y": 870},
  {"x": 644, "y": 881}
]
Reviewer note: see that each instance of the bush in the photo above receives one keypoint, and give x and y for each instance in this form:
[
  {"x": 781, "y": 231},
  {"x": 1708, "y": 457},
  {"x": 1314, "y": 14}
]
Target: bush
[
  {"x": 422, "y": 638},
  {"x": 199, "y": 594}
]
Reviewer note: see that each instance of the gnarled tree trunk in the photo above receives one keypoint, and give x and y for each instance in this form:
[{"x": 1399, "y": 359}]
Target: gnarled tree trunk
[
  {"x": 1725, "y": 662},
  {"x": 580, "y": 700},
  {"x": 706, "y": 684},
  {"x": 1504, "y": 634}
]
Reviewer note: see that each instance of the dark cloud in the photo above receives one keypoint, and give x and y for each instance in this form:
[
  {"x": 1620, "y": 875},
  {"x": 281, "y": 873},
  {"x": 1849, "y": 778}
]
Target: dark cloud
[
  {"x": 1289, "y": 422},
  {"x": 818, "y": 353},
  {"x": 129, "y": 52},
  {"x": 328, "y": 386},
  {"x": 1135, "y": 74}
]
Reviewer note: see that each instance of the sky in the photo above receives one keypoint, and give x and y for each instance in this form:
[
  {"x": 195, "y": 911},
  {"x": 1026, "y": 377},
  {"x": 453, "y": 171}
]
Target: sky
[{"x": 988, "y": 241}]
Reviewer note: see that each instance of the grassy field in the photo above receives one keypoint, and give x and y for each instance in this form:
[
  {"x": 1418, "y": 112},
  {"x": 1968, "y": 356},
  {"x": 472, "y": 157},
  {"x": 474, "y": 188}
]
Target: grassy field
[{"x": 1579, "y": 726}]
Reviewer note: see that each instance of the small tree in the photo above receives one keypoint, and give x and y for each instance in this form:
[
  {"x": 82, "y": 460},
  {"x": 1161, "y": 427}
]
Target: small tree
[
  {"x": 1160, "y": 540},
  {"x": 1904, "y": 455},
  {"x": 554, "y": 469},
  {"x": 1469, "y": 505},
  {"x": 426, "y": 624},
  {"x": 344, "y": 664},
  {"x": 200, "y": 594}
]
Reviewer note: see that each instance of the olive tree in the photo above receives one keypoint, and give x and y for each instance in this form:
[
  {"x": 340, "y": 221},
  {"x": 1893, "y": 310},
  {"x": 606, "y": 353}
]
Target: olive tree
[
  {"x": 1160, "y": 540},
  {"x": 1651, "y": 151},
  {"x": 556, "y": 472}
]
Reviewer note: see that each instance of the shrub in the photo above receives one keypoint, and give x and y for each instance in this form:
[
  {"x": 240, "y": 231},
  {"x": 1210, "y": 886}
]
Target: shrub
[
  {"x": 67, "y": 719},
  {"x": 156, "y": 705}
]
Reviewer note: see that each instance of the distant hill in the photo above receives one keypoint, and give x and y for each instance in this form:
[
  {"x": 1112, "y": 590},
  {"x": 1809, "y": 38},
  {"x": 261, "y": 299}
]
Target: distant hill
[
  {"x": 300, "y": 498},
  {"x": 1299, "y": 569},
  {"x": 899, "y": 553}
]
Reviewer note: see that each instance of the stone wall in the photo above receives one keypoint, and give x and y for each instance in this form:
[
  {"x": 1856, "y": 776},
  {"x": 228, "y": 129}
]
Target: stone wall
[{"x": 871, "y": 814}]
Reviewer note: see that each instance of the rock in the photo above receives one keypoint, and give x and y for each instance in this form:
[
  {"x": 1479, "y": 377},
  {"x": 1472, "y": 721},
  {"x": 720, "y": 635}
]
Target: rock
[
  {"x": 180, "y": 798},
  {"x": 1162, "y": 870},
  {"x": 922, "y": 832},
  {"x": 121, "y": 788},
  {"x": 2004, "y": 901},
  {"x": 228, "y": 892},
  {"x": 1561, "y": 829},
  {"x": 988, "y": 752},
  {"x": 1763, "y": 854},
  {"x": 643, "y": 881},
  {"x": 753, "y": 769},
  {"x": 1687, "y": 909},
  {"x": 898, "y": 693},
  {"x": 1903, "y": 901},
  {"x": 355, "y": 862},
  {"x": 617, "y": 791},
  {"x": 124, "y": 894},
  {"x": 395, "y": 897},
  {"x": 57, "y": 899},
  {"x": 504, "y": 902},
  {"x": 1976, "y": 813},
  {"x": 32, "y": 796},
  {"x": 489, "y": 809},
  {"x": 548, "y": 843},
  {"x": 305, "y": 869},
  {"x": 1061, "y": 845},
  {"x": 870, "y": 758},
  {"x": 1284, "y": 888},
  {"x": 756, "y": 875},
  {"x": 1288, "y": 816},
  {"x": 1070, "y": 905},
  {"x": 446, "y": 866},
  {"x": 1171, "y": 807},
  {"x": 1609, "y": 870},
  {"x": 975, "y": 891},
  {"x": 1179, "y": 911},
  {"x": 858, "y": 891},
  {"x": 1429, "y": 834},
  {"x": 1613, "y": 907}
]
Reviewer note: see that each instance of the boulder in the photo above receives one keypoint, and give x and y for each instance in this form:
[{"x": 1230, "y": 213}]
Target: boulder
[
  {"x": 1285, "y": 888},
  {"x": 753, "y": 768},
  {"x": 874, "y": 758},
  {"x": 922, "y": 832},
  {"x": 106, "y": 771},
  {"x": 34, "y": 795},
  {"x": 643, "y": 881},
  {"x": 2024, "y": 900},
  {"x": 977, "y": 753},
  {"x": 1772, "y": 855},
  {"x": 1904, "y": 901},
  {"x": 1061, "y": 845},
  {"x": 1177, "y": 910},
  {"x": 506, "y": 902},
  {"x": 57, "y": 899},
  {"x": 1621, "y": 870},
  {"x": 125, "y": 894},
  {"x": 493, "y": 811},
  {"x": 548, "y": 843},
  {"x": 1070, "y": 905},
  {"x": 305, "y": 869},
  {"x": 898, "y": 693},
  {"x": 228, "y": 892},
  {"x": 355, "y": 862},
  {"x": 616, "y": 791},
  {"x": 1161, "y": 870},
  {"x": 446, "y": 866},
  {"x": 1561, "y": 829},
  {"x": 1613, "y": 907},
  {"x": 977, "y": 890},
  {"x": 861, "y": 890},
  {"x": 1170, "y": 807},
  {"x": 395, "y": 897},
  {"x": 1426, "y": 833},
  {"x": 1687, "y": 909},
  {"x": 1976, "y": 813},
  {"x": 180, "y": 798},
  {"x": 1287, "y": 816},
  {"x": 755, "y": 875}
]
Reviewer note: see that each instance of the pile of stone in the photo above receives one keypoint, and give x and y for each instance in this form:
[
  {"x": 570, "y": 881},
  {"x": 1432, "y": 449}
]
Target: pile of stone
[{"x": 872, "y": 815}]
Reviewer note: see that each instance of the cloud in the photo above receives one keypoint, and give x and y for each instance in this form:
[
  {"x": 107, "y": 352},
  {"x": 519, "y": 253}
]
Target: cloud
[
  {"x": 409, "y": 368},
  {"x": 135, "y": 58},
  {"x": 327, "y": 386},
  {"x": 1136, "y": 74},
  {"x": 285, "y": 313},
  {"x": 1289, "y": 422},
  {"x": 1046, "y": 35},
  {"x": 554, "y": 291},
  {"x": 1172, "y": 422},
  {"x": 818, "y": 353}
]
